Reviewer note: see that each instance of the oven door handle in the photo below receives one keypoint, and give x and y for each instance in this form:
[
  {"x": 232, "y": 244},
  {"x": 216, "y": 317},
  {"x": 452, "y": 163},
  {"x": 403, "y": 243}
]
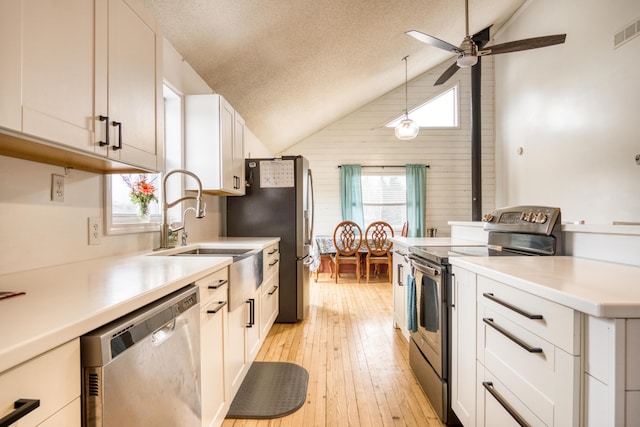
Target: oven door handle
[{"x": 425, "y": 268}]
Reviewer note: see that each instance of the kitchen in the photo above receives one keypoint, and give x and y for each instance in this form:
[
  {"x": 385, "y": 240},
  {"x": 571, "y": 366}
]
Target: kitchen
[{"x": 579, "y": 143}]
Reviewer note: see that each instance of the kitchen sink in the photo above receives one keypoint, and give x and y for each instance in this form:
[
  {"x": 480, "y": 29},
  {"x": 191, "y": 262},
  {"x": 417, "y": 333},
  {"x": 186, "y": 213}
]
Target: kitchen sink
[
  {"x": 214, "y": 252},
  {"x": 245, "y": 272}
]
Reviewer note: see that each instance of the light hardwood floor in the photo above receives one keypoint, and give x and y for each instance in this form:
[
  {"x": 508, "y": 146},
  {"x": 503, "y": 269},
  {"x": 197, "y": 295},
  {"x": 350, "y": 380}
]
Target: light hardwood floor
[{"x": 358, "y": 364}]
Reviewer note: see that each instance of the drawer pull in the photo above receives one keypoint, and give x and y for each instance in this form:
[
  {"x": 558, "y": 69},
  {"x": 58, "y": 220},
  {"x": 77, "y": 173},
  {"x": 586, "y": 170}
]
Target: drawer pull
[
  {"x": 512, "y": 337},
  {"x": 218, "y": 308},
  {"x": 511, "y": 307},
  {"x": 272, "y": 252},
  {"x": 503, "y": 402},
  {"x": 21, "y": 408},
  {"x": 274, "y": 262},
  {"x": 220, "y": 283},
  {"x": 273, "y": 291}
]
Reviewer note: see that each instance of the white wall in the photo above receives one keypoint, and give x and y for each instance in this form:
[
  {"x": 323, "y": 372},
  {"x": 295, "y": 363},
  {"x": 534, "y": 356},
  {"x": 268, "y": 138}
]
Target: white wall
[
  {"x": 574, "y": 109},
  {"x": 361, "y": 138}
]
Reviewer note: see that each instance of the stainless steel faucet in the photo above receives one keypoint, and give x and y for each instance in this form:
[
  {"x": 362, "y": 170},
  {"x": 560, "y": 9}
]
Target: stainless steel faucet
[{"x": 200, "y": 205}]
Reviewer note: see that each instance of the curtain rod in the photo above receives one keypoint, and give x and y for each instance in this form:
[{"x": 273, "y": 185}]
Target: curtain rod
[{"x": 385, "y": 166}]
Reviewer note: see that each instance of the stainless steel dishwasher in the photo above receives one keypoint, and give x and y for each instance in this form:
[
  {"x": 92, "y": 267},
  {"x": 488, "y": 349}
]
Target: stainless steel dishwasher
[{"x": 144, "y": 368}]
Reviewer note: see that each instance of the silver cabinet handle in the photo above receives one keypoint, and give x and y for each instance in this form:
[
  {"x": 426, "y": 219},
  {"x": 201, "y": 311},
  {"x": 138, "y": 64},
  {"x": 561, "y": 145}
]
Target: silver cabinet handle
[
  {"x": 400, "y": 274},
  {"x": 218, "y": 307},
  {"x": 520, "y": 311},
  {"x": 21, "y": 407},
  {"x": 512, "y": 337},
  {"x": 503, "y": 402}
]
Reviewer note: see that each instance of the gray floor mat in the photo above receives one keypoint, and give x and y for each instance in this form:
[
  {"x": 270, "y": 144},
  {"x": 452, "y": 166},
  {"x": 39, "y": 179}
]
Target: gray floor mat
[{"x": 270, "y": 390}]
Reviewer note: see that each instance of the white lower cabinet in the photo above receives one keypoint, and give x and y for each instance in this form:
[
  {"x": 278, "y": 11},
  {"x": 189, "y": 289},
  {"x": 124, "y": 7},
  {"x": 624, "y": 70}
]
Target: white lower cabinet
[
  {"x": 463, "y": 346},
  {"x": 269, "y": 305},
  {"x": 400, "y": 273},
  {"x": 244, "y": 341},
  {"x": 528, "y": 352},
  {"x": 213, "y": 331},
  {"x": 53, "y": 378},
  {"x": 611, "y": 372}
]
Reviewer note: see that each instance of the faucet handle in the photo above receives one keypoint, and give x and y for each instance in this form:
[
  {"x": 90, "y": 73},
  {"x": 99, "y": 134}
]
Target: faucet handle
[{"x": 185, "y": 235}]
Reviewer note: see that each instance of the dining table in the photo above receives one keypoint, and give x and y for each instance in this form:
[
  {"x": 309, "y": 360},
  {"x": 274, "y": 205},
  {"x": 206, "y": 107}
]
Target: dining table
[{"x": 322, "y": 250}]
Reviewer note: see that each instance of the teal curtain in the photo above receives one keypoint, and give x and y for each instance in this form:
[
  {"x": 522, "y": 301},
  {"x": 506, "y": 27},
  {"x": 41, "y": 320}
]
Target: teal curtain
[
  {"x": 351, "y": 194},
  {"x": 416, "y": 198}
]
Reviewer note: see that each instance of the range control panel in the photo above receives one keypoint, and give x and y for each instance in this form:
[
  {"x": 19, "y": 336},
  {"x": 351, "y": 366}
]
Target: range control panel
[{"x": 523, "y": 219}]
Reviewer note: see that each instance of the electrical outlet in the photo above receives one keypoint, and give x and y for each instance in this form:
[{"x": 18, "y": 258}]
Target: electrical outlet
[
  {"x": 57, "y": 188},
  {"x": 95, "y": 231}
]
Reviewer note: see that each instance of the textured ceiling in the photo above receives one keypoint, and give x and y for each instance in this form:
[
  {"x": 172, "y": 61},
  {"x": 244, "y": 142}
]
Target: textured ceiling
[{"x": 292, "y": 67}]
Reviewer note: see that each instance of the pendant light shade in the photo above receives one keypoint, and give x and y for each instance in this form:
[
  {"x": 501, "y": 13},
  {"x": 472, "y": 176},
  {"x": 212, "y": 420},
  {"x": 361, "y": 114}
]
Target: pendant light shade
[{"x": 407, "y": 129}]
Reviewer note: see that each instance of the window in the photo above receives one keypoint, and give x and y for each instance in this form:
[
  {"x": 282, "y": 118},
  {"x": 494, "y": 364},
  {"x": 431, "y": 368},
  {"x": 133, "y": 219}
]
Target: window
[
  {"x": 438, "y": 112},
  {"x": 384, "y": 198},
  {"x": 121, "y": 213}
]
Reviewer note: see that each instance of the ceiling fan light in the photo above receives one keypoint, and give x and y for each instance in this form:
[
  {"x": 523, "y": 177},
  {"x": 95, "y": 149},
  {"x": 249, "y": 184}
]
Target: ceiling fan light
[
  {"x": 467, "y": 61},
  {"x": 407, "y": 129}
]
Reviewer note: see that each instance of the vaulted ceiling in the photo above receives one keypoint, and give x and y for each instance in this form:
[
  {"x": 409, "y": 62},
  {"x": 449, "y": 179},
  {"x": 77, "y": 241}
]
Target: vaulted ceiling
[{"x": 292, "y": 67}]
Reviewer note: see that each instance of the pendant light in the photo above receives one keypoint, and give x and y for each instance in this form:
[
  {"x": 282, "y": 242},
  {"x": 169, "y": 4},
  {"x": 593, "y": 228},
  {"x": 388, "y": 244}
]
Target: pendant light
[{"x": 407, "y": 129}]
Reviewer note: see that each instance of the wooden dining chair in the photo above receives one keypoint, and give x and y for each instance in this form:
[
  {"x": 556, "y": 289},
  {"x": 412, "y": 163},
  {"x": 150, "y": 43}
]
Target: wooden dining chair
[
  {"x": 405, "y": 229},
  {"x": 378, "y": 241},
  {"x": 347, "y": 238}
]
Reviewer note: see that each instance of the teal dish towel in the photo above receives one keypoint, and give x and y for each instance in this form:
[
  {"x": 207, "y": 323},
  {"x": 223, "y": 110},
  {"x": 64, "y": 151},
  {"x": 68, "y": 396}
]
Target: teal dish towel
[{"x": 412, "y": 314}]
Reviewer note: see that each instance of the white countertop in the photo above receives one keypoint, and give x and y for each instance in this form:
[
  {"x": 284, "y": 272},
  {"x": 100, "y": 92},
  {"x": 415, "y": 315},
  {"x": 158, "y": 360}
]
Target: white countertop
[
  {"x": 66, "y": 301},
  {"x": 596, "y": 288},
  {"x": 433, "y": 241}
]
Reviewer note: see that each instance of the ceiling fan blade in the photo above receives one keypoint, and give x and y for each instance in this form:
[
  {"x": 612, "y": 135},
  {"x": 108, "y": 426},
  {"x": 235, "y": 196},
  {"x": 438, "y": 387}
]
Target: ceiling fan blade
[
  {"x": 448, "y": 73},
  {"x": 425, "y": 38},
  {"x": 524, "y": 44}
]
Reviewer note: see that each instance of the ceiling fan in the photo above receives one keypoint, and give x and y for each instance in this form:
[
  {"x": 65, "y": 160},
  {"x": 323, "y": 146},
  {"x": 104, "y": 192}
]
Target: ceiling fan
[{"x": 470, "y": 49}]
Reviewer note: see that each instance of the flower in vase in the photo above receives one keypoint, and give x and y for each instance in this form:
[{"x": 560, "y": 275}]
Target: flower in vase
[{"x": 142, "y": 192}]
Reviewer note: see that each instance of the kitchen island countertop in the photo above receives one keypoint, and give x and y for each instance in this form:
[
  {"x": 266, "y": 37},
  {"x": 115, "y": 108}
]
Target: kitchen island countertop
[
  {"x": 597, "y": 288},
  {"x": 66, "y": 301}
]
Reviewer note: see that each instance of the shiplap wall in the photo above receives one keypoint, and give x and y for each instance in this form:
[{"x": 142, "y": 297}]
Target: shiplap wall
[{"x": 362, "y": 138}]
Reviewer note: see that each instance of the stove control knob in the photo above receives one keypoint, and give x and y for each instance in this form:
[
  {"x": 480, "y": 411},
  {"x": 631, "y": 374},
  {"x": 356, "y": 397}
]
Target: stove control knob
[
  {"x": 525, "y": 216},
  {"x": 541, "y": 218},
  {"x": 487, "y": 218}
]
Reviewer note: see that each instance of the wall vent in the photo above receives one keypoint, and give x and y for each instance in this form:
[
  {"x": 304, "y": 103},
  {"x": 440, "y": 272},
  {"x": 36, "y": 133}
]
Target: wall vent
[{"x": 626, "y": 33}]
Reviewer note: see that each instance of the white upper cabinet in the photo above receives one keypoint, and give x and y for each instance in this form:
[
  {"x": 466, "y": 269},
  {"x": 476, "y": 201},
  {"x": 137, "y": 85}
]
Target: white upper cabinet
[
  {"x": 68, "y": 65},
  {"x": 215, "y": 144},
  {"x": 134, "y": 85}
]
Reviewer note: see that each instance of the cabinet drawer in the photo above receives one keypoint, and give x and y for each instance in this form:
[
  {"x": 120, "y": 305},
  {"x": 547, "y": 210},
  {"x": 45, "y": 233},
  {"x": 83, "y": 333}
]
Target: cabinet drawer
[
  {"x": 271, "y": 260},
  {"x": 53, "y": 378},
  {"x": 498, "y": 406},
  {"x": 553, "y": 322},
  {"x": 542, "y": 376},
  {"x": 210, "y": 285},
  {"x": 269, "y": 304}
]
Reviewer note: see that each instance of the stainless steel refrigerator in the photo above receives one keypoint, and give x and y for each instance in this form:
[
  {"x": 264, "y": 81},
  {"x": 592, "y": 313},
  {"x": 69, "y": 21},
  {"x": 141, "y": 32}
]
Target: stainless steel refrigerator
[{"x": 279, "y": 203}]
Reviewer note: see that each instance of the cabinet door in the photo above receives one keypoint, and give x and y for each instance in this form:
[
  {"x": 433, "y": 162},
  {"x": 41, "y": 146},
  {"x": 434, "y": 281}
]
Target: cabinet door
[
  {"x": 253, "y": 325},
  {"x": 463, "y": 346},
  {"x": 238, "y": 154},
  {"x": 134, "y": 84},
  {"x": 227, "y": 129},
  {"x": 400, "y": 272},
  {"x": 235, "y": 362},
  {"x": 269, "y": 304},
  {"x": 212, "y": 343},
  {"x": 10, "y": 73},
  {"x": 58, "y": 72}
]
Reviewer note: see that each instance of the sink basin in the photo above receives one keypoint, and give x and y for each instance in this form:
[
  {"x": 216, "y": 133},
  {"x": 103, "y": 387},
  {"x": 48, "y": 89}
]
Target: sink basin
[
  {"x": 245, "y": 272},
  {"x": 214, "y": 252}
]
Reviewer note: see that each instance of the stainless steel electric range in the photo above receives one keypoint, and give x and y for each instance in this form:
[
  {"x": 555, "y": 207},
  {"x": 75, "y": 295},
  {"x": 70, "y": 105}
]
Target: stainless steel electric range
[{"x": 512, "y": 231}]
